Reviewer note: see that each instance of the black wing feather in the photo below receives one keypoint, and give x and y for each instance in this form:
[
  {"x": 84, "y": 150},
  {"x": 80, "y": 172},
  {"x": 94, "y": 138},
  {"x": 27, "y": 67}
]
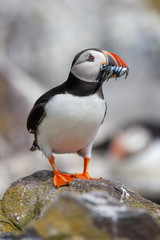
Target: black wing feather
[
  {"x": 35, "y": 117},
  {"x": 38, "y": 111}
]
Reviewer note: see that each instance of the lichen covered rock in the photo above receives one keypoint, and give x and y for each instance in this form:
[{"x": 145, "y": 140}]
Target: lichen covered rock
[
  {"x": 95, "y": 216},
  {"x": 28, "y": 198}
]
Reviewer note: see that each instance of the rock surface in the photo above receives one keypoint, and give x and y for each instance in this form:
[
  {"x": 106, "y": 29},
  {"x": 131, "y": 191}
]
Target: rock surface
[
  {"x": 28, "y": 198},
  {"x": 95, "y": 215}
]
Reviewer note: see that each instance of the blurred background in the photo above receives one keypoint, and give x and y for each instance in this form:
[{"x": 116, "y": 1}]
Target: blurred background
[{"x": 38, "y": 40}]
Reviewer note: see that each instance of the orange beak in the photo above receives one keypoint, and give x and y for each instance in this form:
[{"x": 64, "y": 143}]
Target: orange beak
[{"x": 116, "y": 61}]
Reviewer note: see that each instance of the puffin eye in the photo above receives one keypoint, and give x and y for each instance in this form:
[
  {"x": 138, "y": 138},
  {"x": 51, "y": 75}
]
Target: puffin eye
[{"x": 91, "y": 58}]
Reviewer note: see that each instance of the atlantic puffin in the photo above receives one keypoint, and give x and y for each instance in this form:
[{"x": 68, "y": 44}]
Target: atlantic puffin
[{"x": 66, "y": 118}]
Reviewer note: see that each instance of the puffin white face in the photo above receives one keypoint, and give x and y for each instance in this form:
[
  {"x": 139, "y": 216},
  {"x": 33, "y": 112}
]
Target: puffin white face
[{"x": 88, "y": 64}]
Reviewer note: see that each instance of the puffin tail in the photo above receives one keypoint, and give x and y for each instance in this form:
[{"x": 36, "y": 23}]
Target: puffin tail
[{"x": 34, "y": 146}]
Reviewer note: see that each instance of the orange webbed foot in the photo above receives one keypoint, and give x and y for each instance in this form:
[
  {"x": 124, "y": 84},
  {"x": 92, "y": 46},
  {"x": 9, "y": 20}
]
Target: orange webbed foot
[
  {"x": 85, "y": 176},
  {"x": 62, "y": 179}
]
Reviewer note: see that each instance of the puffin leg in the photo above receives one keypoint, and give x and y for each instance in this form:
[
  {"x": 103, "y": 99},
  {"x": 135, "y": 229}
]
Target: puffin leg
[
  {"x": 60, "y": 179},
  {"x": 85, "y": 175}
]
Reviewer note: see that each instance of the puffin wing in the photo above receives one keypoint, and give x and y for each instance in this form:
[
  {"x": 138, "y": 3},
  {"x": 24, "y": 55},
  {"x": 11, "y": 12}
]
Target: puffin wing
[
  {"x": 38, "y": 111},
  {"x": 35, "y": 117}
]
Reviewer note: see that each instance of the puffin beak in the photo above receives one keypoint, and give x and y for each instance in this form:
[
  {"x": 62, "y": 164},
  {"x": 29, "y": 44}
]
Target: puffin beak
[{"x": 114, "y": 66}]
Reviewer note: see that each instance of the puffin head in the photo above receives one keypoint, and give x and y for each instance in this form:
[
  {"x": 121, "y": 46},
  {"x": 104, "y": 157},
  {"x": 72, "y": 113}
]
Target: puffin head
[{"x": 92, "y": 65}]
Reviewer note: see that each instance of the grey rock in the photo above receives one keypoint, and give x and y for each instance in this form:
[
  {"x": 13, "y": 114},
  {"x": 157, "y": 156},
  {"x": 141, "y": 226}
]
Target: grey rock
[
  {"x": 96, "y": 215},
  {"x": 28, "y": 199}
]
